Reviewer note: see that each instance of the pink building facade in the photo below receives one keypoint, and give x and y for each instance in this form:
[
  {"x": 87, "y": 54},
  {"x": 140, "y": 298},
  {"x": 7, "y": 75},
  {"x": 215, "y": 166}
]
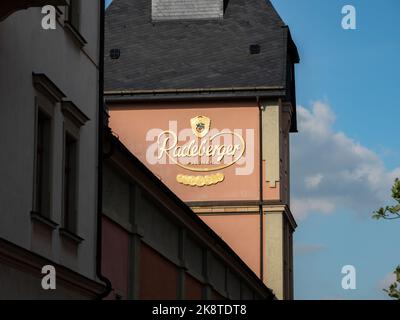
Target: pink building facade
[{"x": 204, "y": 97}]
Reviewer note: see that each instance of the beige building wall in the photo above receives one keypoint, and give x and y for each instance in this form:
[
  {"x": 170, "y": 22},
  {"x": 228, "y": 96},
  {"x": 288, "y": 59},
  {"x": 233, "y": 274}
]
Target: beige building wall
[{"x": 279, "y": 223}]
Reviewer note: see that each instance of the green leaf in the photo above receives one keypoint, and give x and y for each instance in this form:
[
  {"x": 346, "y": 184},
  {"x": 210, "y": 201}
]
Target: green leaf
[{"x": 397, "y": 272}]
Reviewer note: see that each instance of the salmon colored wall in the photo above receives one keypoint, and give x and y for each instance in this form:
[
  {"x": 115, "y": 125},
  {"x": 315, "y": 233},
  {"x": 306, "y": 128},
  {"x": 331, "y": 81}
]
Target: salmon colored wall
[
  {"x": 193, "y": 288},
  {"x": 115, "y": 263},
  {"x": 132, "y": 122},
  {"x": 158, "y": 277},
  {"x": 242, "y": 234}
]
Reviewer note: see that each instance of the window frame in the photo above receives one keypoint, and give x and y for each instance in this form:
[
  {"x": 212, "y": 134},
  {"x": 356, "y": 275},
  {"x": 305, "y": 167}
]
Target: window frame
[
  {"x": 72, "y": 5},
  {"x": 73, "y": 120},
  {"x": 46, "y": 107},
  {"x": 74, "y": 28},
  {"x": 70, "y": 131}
]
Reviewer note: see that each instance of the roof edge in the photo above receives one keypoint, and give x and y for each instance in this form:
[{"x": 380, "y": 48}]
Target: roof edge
[
  {"x": 199, "y": 93},
  {"x": 292, "y": 48},
  {"x": 192, "y": 90}
]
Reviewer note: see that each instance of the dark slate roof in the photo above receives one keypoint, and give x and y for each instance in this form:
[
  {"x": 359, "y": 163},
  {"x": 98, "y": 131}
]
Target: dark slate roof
[{"x": 202, "y": 55}]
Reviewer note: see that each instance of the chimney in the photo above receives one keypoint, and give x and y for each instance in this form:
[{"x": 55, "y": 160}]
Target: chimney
[{"x": 166, "y": 10}]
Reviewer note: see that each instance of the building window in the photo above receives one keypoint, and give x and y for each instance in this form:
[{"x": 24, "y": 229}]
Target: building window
[
  {"x": 74, "y": 13},
  {"x": 73, "y": 22},
  {"x": 42, "y": 170},
  {"x": 70, "y": 183},
  {"x": 47, "y": 96},
  {"x": 74, "y": 119}
]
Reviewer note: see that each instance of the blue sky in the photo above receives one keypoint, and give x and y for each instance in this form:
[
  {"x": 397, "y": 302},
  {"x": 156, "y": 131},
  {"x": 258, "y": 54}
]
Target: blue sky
[
  {"x": 347, "y": 153},
  {"x": 354, "y": 76},
  {"x": 357, "y": 71}
]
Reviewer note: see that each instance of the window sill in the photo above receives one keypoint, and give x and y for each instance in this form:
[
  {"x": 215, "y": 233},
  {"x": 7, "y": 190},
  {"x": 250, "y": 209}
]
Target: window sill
[
  {"x": 37, "y": 217},
  {"x": 79, "y": 39},
  {"x": 70, "y": 236}
]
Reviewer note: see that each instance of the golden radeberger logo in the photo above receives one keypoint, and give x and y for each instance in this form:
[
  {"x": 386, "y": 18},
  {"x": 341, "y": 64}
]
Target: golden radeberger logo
[{"x": 204, "y": 154}]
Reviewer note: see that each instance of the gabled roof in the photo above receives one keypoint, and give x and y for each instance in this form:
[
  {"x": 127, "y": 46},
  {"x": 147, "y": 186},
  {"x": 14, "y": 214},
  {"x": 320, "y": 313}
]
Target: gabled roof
[{"x": 198, "y": 55}]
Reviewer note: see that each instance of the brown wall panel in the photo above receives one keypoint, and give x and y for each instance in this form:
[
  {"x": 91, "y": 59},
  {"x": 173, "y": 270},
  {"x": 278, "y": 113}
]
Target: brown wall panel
[
  {"x": 216, "y": 296},
  {"x": 193, "y": 288},
  {"x": 115, "y": 258},
  {"x": 158, "y": 277}
]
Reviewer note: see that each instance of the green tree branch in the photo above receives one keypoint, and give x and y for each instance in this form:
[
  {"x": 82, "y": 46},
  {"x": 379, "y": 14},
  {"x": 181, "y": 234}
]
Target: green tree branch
[
  {"x": 392, "y": 213},
  {"x": 393, "y": 290}
]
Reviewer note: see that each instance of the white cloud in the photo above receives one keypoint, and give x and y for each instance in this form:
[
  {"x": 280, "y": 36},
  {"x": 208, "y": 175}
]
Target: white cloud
[
  {"x": 304, "y": 206},
  {"x": 306, "y": 249},
  {"x": 314, "y": 181},
  {"x": 331, "y": 170}
]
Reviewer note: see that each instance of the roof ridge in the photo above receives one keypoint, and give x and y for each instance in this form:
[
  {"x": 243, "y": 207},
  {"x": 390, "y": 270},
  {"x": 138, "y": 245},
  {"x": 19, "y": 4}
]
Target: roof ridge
[{"x": 272, "y": 8}]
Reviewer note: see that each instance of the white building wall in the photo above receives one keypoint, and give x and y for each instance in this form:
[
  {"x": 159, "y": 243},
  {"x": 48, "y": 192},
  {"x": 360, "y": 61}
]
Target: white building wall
[{"x": 25, "y": 48}]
